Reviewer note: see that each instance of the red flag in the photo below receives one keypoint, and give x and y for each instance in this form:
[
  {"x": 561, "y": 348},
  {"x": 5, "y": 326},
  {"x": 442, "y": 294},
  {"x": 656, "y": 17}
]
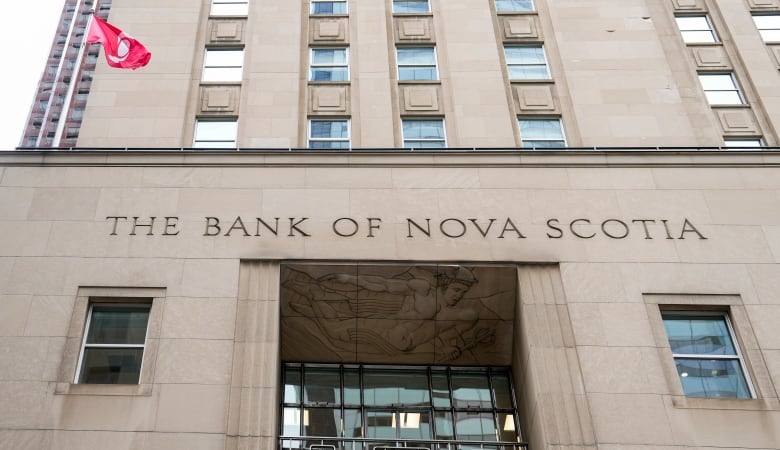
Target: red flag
[{"x": 121, "y": 49}]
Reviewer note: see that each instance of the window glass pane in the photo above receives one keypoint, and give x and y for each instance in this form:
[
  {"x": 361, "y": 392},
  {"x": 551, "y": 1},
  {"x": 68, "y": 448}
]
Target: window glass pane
[
  {"x": 723, "y": 98},
  {"x": 514, "y": 5},
  {"x": 111, "y": 365},
  {"x": 717, "y": 82},
  {"x": 441, "y": 390},
  {"x": 118, "y": 325},
  {"x": 229, "y": 8},
  {"x": 698, "y": 36},
  {"x": 698, "y": 335},
  {"x": 329, "y": 56},
  {"x": 380, "y": 425},
  {"x": 329, "y": 74},
  {"x": 471, "y": 426},
  {"x": 717, "y": 378},
  {"x": 770, "y": 35},
  {"x": 383, "y": 388},
  {"x": 423, "y": 129},
  {"x": 224, "y": 58},
  {"x": 416, "y": 55},
  {"x": 424, "y": 144},
  {"x": 329, "y": 129},
  {"x": 322, "y": 422},
  {"x": 329, "y": 7},
  {"x": 353, "y": 423},
  {"x": 743, "y": 143},
  {"x": 506, "y": 427},
  {"x": 414, "y": 425},
  {"x": 541, "y": 129},
  {"x": 471, "y": 391},
  {"x": 223, "y": 73},
  {"x": 524, "y": 55},
  {"x": 410, "y": 6},
  {"x": 216, "y": 130},
  {"x": 322, "y": 385},
  {"x": 693, "y": 23},
  {"x": 292, "y": 385},
  {"x": 351, "y": 387},
  {"x": 291, "y": 422},
  {"x": 332, "y": 145},
  {"x": 502, "y": 391},
  {"x": 417, "y": 73},
  {"x": 444, "y": 425}
]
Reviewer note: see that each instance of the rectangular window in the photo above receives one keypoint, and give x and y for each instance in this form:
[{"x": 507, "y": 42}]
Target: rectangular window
[
  {"x": 514, "y": 5},
  {"x": 707, "y": 357},
  {"x": 329, "y": 134},
  {"x": 411, "y": 6},
  {"x": 223, "y": 65},
  {"x": 768, "y": 26},
  {"x": 229, "y": 7},
  {"x": 215, "y": 133},
  {"x": 424, "y": 133},
  {"x": 721, "y": 89},
  {"x": 417, "y": 63},
  {"x": 696, "y": 29},
  {"x": 329, "y": 64},
  {"x": 527, "y": 62},
  {"x": 541, "y": 133},
  {"x": 744, "y": 142},
  {"x": 328, "y": 7},
  {"x": 113, "y": 347}
]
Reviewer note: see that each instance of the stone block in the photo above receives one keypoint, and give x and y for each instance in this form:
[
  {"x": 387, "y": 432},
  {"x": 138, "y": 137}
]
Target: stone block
[
  {"x": 631, "y": 418},
  {"x": 420, "y": 99},
  {"x": 181, "y": 361},
  {"x": 711, "y": 58},
  {"x": 535, "y": 98},
  {"x": 737, "y": 122},
  {"x": 519, "y": 28},
  {"x": 192, "y": 408},
  {"x": 689, "y": 5},
  {"x": 331, "y": 30},
  {"x": 413, "y": 29},
  {"x": 226, "y": 31},
  {"x": 199, "y": 318},
  {"x": 219, "y": 99},
  {"x": 328, "y": 100}
]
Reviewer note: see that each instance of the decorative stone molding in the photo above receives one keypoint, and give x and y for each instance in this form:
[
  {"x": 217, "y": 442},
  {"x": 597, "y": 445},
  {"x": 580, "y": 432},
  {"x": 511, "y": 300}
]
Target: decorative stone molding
[
  {"x": 331, "y": 30},
  {"x": 535, "y": 98},
  {"x": 219, "y": 99},
  {"x": 520, "y": 28},
  {"x": 328, "y": 100},
  {"x": 413, "y": 29},
  {"x": 421, "y": 99},
  {"x": 737, "y": 122},
  {"x": 764, "y": 4},
  {"x": 226, "y": 31},
  {"x": 689, "y": 5},
  {"x": 711, "y": 58},
  {"x": 776, "y": 51}
]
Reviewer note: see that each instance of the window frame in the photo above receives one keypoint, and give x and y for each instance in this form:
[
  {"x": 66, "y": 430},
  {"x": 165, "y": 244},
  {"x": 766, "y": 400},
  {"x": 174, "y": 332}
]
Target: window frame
[
  {"x": 313, "y": 2},
  {"x": 435, "y": 64},
  {"x": 85, "y": 345},
  {"x": 443, "y": 140},
  {"x": 199, "y": 121},
  {"x": 734, "y": 83},
  {"x": 558, "y": 120},
  {"x": 214, "y": 50},
  {"x": 522, "y": 64},
  {"x": 738, "y": 356},
  {"x": 313, "y": 66},
  {"x": 764, "y": 31},
  {"x": 310, "y": 139},
  {"x": 243, "y": 11},
  {"x": 501, "y": 10},
  {"x": 688, "y": 32},
  {"x": 427, "y": 3}
]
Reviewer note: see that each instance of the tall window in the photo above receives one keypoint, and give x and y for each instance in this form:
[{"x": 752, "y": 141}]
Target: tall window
[
  {"x": 223, "y": 65},
  {"x": 113, "y": 347},
  {"x": 541, "y": 133},
  {"x": 411, "y": 6},
  {"x": 768, "y": 26},
  {"x": 696, "y": 29},
  {"x": 329, "y": 134},
  {"x": 417, "y": 63},
  {"x": 721, "y": 88},
  {"x": 526, "y": 62},
  {"x": 215, "y": 133},
  {"x": 329, "y": 64},
  {"x": 424, "y": 133},
  {"x": 707, "y": 357},
  {"x": 514, "y": 5},
  {"x": 229, "y": 7},
  {"x": 328, "y": 7},
  {"x": 385, "y": 404}
]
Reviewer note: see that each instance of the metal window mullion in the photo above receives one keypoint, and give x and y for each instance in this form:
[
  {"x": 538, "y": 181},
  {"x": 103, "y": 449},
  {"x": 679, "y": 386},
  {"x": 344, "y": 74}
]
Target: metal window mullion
[
  {"x": 83, "y": 345},
  {"x": 703, "y": 356},
  {"x": 742, "y": 364},
  {"x": 115, "y": 345}
]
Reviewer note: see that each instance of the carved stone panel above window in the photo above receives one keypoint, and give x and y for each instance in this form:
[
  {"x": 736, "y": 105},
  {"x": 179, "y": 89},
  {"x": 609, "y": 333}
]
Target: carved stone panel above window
[
  {"x": 420, "y": 99},
  {"x": 226, "y": 31},
  {"x": 689, "y": 5},
  {"x": 764, "y": 4},
  {"x": 711, "y": 58},
  {"x": 330, "y": 30},
  {"x": 413, "y": 29},
  {"x": 535, "y": 99},
  {"x": 520, "y": 28},
  {"x": 738, "y": 122},
  {"x": 219, "y": 99},
  {"x": 326, "y": 100}
]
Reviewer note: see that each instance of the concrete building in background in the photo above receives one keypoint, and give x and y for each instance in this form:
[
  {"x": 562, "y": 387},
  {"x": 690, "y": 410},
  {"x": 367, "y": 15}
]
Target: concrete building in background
[{"x": 380, "y": 224}]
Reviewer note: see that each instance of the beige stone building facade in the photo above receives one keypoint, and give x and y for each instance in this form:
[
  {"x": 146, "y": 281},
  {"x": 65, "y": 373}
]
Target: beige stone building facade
[{"x": 377, "y": 224}]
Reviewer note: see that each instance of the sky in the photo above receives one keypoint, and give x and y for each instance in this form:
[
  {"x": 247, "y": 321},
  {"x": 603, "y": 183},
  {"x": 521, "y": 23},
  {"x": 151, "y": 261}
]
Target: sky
[{"x": 26, "y": 33}]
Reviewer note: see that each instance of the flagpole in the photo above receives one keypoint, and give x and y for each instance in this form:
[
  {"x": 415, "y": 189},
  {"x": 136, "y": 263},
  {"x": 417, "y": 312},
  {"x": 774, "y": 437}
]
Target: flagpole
[{"x": 77, "y": 70}]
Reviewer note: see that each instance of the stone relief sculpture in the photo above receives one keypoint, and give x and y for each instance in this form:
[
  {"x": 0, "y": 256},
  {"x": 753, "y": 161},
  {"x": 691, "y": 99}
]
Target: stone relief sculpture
[{"x": 416, "y": 314}]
